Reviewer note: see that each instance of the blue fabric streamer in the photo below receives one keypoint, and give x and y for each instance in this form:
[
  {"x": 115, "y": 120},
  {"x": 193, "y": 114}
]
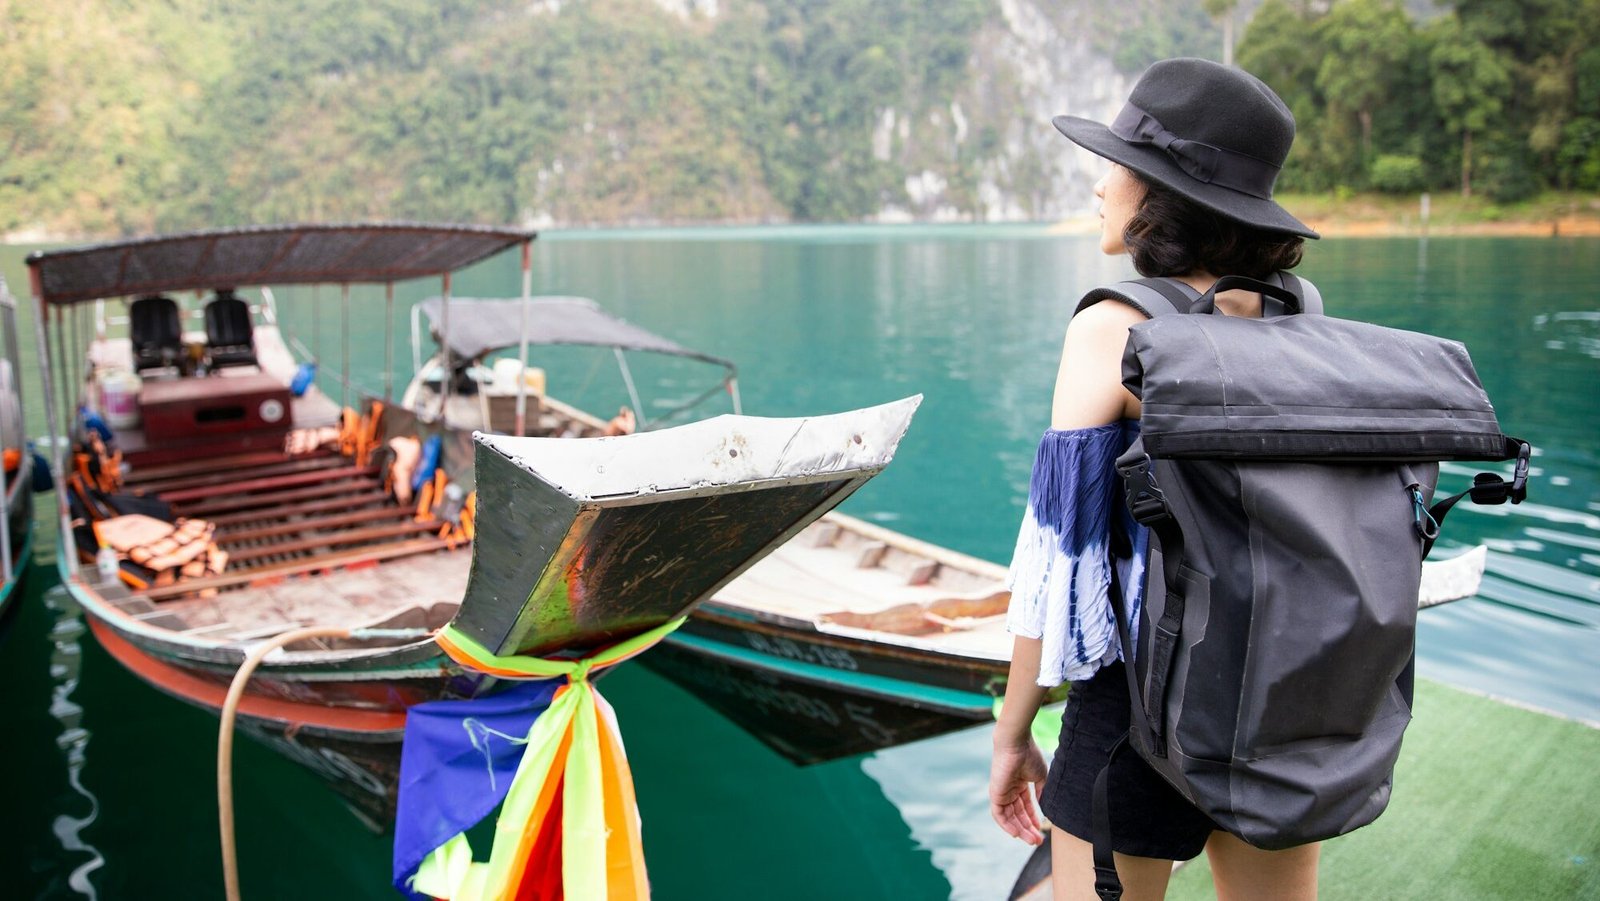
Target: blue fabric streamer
[
  {"x": 456, "y": 766},
  {"x": 1061, "y": 571}
]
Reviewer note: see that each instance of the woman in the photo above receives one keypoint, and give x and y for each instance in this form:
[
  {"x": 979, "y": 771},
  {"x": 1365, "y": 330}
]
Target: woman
[{"x": 1194, "y": 155}]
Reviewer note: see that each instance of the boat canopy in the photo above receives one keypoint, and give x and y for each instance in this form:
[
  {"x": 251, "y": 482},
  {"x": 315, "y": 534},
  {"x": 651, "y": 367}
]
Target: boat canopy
[
  {"x": 264, "y": 255},
  {"x": 480, "y": 326}
]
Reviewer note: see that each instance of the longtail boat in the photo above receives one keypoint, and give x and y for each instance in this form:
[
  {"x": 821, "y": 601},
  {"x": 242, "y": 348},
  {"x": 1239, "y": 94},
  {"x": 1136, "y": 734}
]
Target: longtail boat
[
  {"x": 178, "y": 426},
  {"x": 849, "y": 639},
  {"x": 16, "y": 497},
  {"x": 213, "y": 497},
  {"x": 853, "y": 638}
]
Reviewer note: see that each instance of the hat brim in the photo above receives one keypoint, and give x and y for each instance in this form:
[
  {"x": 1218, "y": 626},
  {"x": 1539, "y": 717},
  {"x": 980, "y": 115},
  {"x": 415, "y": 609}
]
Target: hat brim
[{"x": 1155, "y": 165}]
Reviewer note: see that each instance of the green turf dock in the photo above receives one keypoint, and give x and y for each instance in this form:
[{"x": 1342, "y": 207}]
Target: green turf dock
[{"x": 1490, "y": 802}]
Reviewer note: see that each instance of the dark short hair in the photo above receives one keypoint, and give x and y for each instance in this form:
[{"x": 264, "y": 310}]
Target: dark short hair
[{"x": 1171, "y": 235}]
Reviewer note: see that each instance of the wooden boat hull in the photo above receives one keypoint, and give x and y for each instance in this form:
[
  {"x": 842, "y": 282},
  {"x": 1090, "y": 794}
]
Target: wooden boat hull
[
  {"x": 21, "y": 523},
  {"x": 814, "y": 697},
  {"x": 355, "y": 749},
  {"x": 387, "y": 679}
]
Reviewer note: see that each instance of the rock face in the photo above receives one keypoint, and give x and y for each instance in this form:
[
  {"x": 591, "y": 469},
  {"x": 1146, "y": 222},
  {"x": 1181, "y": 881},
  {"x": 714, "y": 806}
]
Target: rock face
[
  {"x": 991, "y": 154},
  {"x": 955, "y": 128}
]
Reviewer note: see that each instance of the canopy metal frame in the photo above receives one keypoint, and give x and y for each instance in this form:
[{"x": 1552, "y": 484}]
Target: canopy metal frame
[
  {"x": 262, "y": 256},
  {"x": 594, "y": 328}
]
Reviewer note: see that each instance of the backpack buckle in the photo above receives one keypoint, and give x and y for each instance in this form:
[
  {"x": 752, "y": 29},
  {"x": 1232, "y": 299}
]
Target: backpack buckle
[
  {"x": 1107, "y": 885},
  {"x": 1489, "y": 488},
  {"x": 1145, "y": 500},
  {"x": 1518, "y": 492}
]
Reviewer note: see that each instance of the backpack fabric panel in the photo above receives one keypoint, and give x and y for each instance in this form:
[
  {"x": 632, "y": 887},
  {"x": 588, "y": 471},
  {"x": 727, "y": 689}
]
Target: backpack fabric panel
[{"x": 1293, "y": 660}]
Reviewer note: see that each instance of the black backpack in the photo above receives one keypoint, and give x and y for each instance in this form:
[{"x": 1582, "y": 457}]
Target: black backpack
[{"x": 1286, "y": 469}]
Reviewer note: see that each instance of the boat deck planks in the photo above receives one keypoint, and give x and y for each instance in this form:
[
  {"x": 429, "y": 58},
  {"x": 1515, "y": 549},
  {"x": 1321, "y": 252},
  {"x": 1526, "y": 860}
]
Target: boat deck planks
[
  {"x": 268, "y": 499},
  {"x": 228, "y": 475},
  {"x": 805, "y": 582},
  {"x": 335, "y": 539},
  {"x": 264, "y": 515},
  {"x": 338, "y": 560},
  {"x": 308, "y": 513},
  {"x": 145, "y": 477},
  {"x": 905, "y": 594},
  {"x": 187, "y": 495},
  {"x": 417, "y": 591},
  {"x": 838, "y": 565},
  {"x": 226, "y": 537}
]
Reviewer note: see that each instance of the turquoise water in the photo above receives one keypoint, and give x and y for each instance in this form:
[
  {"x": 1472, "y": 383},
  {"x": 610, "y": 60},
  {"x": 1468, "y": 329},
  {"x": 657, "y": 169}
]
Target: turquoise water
[{"x": 111, "y": 785}]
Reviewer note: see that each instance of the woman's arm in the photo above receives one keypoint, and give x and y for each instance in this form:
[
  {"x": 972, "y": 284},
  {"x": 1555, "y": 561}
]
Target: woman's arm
[
  {"x": 1017, "y": 763},
  {"x": 1023, "y": 694},
  {"x": 1089, "y": 389},
  {"x": 1088, "y": 393}
]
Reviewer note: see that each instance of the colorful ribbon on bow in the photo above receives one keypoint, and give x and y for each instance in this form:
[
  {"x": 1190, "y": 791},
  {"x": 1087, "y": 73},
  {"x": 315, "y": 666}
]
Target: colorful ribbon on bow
[{"x": 569, "y": 825}]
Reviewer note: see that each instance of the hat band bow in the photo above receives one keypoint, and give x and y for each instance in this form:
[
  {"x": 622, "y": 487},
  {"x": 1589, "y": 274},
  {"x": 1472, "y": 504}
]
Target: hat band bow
[{"x": 1203, "y": 162}]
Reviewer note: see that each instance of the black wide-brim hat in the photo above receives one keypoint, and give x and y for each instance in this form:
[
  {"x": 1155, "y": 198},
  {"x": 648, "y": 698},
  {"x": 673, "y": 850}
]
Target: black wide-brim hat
[{"x": 1212, "y": 133}]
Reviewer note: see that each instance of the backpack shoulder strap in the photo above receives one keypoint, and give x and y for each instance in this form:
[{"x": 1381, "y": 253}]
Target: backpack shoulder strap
[
  {"x": 1151, "y": 296},
  {"x": 1310, "y": 297},
  {"x": 1165, "y": 296}
]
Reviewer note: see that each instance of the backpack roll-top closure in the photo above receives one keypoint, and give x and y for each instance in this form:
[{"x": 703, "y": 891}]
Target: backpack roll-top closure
[{"x": 1306, "y": 387}]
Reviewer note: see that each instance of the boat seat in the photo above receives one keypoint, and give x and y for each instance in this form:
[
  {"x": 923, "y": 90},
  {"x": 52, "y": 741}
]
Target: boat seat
[
  {"x": 155, "y": 332},
  {"x": 230, "y": 338}
]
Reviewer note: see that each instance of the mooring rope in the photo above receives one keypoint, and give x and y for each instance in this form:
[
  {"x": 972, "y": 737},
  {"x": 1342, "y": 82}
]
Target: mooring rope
[{"x": 230, "y": 710}]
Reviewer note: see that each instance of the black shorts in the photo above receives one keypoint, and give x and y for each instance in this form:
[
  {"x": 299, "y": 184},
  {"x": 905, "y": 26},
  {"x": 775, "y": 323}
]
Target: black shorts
[{"x": 1149, "y": 818}]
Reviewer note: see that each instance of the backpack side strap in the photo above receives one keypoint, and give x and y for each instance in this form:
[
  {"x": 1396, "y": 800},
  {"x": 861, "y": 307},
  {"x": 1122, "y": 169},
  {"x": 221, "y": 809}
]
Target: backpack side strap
[{"x": 1487, "y": 488}]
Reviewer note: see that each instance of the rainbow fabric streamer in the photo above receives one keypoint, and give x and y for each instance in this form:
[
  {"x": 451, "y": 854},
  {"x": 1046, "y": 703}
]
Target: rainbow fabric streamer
[{"x": 569, "y": 823}]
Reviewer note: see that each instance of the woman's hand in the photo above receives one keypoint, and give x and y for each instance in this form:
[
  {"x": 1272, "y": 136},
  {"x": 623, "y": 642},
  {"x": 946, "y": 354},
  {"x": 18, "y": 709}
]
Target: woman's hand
[{"x": 1016, "y": 776}]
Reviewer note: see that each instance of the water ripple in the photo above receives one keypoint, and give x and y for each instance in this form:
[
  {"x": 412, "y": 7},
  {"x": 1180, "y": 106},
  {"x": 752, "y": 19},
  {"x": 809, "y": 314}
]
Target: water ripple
[
  {"x": 1572, "y": 330},
  {"x": 66, "y": 661}
]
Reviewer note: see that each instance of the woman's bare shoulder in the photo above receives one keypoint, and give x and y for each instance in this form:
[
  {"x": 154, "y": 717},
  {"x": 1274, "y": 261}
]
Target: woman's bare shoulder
[
  {"x": 1089, "y": 389},
  {"x": 1108, "y": 318}
]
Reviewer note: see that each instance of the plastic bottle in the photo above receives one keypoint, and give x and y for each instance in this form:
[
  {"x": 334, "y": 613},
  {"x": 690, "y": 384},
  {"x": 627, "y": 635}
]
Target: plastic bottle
[
  {"x": 92, "y": 422},
  {"x": 119, "y": 399},
  {"x": 107, "y": 563},
  {"x": 303, "y": 376},
  {"x": 428, "y": 463},
  {"x": 454, "y": 499}
]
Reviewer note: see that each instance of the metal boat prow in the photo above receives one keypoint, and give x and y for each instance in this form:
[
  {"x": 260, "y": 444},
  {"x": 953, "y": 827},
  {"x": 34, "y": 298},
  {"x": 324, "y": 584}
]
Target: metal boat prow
[{"x": 582, "y": 542}]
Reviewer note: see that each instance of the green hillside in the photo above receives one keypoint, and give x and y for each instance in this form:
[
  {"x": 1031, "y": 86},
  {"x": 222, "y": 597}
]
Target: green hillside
[{"x": 126, "y": 116}]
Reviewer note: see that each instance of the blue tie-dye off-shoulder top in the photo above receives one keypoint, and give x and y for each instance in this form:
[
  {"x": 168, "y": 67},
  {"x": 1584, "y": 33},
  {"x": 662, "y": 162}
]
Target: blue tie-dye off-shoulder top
[{"x": 1061, "y": 572}]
